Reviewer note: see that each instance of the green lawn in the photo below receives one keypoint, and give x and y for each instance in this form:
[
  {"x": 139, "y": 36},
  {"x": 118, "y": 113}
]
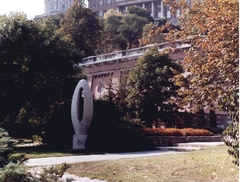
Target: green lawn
[
  {"x": 42, "y": 151},
  {"x": 210, "y": 164}
]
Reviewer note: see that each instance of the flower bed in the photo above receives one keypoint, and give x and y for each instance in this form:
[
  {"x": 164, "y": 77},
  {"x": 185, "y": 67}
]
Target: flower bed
[{"x": 176, "y": 132}]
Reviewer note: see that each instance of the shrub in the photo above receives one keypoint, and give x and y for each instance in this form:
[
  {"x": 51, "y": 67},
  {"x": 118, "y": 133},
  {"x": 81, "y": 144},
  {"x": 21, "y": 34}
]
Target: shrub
[
  {"x": 176, "y": 132},
  {"x": 59, "y": 130},
  {"x": 12, "y": 170},
  {"x": 108, "y": 133}
]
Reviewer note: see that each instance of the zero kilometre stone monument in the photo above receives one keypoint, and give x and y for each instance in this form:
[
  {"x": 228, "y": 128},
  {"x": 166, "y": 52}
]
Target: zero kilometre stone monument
[{"x": 81, "y": 113}]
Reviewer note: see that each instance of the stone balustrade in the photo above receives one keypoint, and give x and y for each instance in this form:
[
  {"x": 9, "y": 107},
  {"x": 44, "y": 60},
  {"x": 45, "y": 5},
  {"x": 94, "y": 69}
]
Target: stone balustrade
[{"x": 127, "y": 54}]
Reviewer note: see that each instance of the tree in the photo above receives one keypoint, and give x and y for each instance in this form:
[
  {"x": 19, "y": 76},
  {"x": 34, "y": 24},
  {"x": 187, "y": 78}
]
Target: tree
[
  {"x": 122, "y": 31},
  {"x": 131, "y": 29},
  {"x": 12, "y": 168},
  {"x": 211, "y": 29},
  {"x": 111, "y": 37},
  {"x": 141, "y": 12},
  {"x": 158, "y": 38},
  {"x": 84, "y": 28},
  {"x": 151, "y": 86},
  {"x": 37, "y": 73}
]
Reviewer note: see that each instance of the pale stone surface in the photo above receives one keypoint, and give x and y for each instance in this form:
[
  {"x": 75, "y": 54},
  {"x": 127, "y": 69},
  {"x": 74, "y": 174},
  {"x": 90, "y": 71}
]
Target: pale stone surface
[
  {"x": 79, "y": 141},
  {"x": 81, "y": 127}
]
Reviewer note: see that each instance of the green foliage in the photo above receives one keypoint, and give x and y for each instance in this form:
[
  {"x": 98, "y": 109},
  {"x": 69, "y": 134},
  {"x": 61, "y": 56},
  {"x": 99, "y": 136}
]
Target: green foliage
[
  {"x": 108, "y": 133},
  {"x": 59, "y": 130},
  {"x": 131, "y": 28},
  {"x": 84, "y": 28},
  {"x": 155, "y": 39},
  {"x": 12, "y": 170},
  {"x": 231, "y": 104},
  {"x": 6, "y": 147},
  {"x": 122, "y": 31},
  {"x": 141, "y": 12},
  {"x": 37, "y": 73},
  {"x": 162, "y": 22},
  {"x": 53, "y": 174},
  {"x": 211, "y": 28},
  {"x": 16, "y": 172},
  {"x": 151, "y": 87}
]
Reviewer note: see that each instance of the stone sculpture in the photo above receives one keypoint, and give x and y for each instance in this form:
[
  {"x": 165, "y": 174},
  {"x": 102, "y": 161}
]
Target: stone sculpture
[{"x": 82, "y": 97}]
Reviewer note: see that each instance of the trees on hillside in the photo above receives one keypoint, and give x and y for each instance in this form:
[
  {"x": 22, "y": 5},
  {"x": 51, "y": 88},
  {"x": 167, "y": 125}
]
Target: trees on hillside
[
  {"x": 37, "y": 72},
  {"x": 122, "y": 31},
  {"x": 84, "y": 28},
  {"x": 151, "y": 85}
]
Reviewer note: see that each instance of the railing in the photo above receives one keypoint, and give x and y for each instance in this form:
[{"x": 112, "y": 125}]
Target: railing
[{"x": 126, "y": 54}]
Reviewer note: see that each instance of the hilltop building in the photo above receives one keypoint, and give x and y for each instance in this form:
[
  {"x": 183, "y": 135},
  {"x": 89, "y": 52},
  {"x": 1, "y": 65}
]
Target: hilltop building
[
  {"x": 157, "y": 8},
  {"x": 52, "y": 7}
]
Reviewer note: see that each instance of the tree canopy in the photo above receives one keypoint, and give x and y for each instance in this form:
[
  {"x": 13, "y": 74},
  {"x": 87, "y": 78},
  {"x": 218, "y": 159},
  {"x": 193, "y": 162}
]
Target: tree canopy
[
  {"x": 83, "y": 26},
  {"x": 37, "y": 71},
  {"x": 151, "y": 85},
  {"x": 211, "y": 29},
  {"x": 122, "y": 31}
]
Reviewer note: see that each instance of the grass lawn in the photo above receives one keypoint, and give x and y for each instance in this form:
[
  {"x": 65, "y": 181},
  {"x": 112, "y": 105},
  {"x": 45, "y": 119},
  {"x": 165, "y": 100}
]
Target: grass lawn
[
  {"x": 42, "y": 151},
  {"x": 210, "y": 164}
]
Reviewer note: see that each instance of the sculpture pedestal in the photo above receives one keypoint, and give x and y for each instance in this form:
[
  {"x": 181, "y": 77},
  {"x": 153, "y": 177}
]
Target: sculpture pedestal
[{"x": 79, "y": 141}]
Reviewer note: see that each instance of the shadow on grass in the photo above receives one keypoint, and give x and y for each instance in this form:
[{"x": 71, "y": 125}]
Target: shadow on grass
[{"x": 44, "y": 151}]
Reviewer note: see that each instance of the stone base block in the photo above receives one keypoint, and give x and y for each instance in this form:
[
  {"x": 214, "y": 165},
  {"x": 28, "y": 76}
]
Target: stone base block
[{"x": 79, "y": 141}]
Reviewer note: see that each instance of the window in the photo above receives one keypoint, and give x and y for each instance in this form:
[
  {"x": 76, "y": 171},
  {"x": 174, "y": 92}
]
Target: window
[
  {"x": 101, "y": 3},
  {"x": 51, "y": 7},
  {"x": 100, "y": 13},
  {"x": 93, "y": 4},
  {"x": 178, "y": 13},
  {"x": 108, "y": 1},
  {"x": 168, "y": 14},
  {"x": 100, "y": 89},
  {"x": 159, "y": 5},
  {"x": 63, "y": 7}
]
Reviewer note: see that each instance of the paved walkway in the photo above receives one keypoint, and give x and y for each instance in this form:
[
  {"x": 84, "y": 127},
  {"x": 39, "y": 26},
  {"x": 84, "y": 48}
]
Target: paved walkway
[
  {"x": 96, "y": 157},
  {"x": 99, "y": 157}
]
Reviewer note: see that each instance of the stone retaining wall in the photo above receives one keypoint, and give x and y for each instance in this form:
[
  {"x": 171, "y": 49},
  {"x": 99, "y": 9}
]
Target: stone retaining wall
[{"x": 171, "y": 140}]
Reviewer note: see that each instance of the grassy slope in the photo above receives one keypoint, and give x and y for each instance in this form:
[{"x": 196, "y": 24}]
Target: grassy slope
[{"x": 211, "y": 164}]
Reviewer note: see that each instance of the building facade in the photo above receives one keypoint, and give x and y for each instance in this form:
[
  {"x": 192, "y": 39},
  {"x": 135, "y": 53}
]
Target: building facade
[
  {"x": 52, "y": 7},
  {"x": 102, "y": 67},
  {"x": 157, "y": 8},
  {"x": 109, "y": 68}
]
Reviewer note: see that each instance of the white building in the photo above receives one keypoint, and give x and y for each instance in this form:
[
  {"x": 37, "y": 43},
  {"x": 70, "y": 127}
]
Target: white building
[{"x": 55, "y": 6}]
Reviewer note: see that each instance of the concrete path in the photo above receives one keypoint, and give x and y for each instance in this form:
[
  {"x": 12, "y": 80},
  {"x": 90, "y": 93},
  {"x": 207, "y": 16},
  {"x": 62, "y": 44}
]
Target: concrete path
[
  {"x": 96, "y": 157},
  {"x": 113, "y": 156}
]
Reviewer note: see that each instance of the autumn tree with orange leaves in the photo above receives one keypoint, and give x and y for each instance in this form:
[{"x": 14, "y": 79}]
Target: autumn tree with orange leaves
[{"x": 210, "y": 27}]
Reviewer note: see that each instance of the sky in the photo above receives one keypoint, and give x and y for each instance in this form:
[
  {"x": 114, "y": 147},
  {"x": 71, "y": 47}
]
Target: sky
[{"x": 29, "y": 7}]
